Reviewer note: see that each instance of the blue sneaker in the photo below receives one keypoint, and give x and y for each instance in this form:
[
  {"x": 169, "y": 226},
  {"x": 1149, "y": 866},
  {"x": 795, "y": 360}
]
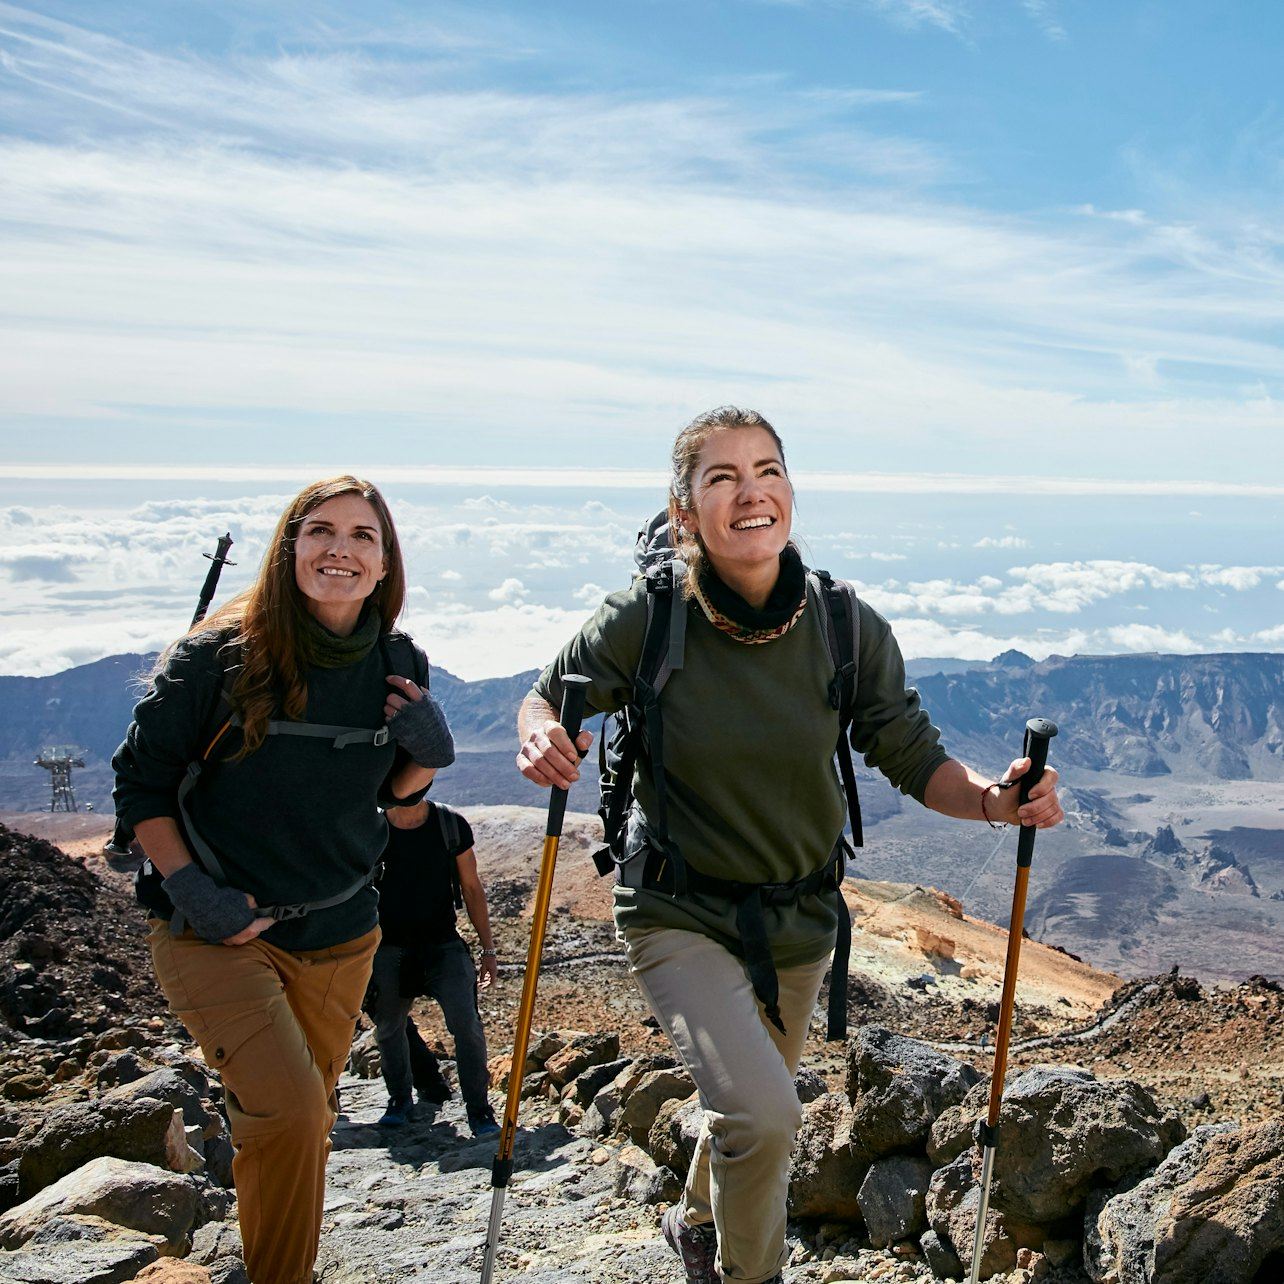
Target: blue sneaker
[
  {"x": 397, "y": 1113},
  {"x": 482, "y": 1123}
]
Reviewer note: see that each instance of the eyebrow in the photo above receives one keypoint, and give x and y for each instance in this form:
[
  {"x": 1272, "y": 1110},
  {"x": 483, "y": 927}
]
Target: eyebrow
[
  {"x": 326, "y": 521},
  {"x": 710, "y": 468}
]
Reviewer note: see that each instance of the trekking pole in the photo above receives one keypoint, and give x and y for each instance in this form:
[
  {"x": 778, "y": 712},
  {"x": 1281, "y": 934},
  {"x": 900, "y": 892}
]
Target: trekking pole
[
  {"x": 1038, "y": 731},
  {"x": 218, "y": 560},
  {"x": 121, "y": 838},
  {"x": 573, "y": 689}
]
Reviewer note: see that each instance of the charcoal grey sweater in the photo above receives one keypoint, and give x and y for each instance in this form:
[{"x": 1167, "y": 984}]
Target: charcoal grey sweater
[{"x": 294, "y": 821}]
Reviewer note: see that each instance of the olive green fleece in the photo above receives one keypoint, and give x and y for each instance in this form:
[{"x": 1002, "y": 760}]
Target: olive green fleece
[{"x": 749, "y": 739}]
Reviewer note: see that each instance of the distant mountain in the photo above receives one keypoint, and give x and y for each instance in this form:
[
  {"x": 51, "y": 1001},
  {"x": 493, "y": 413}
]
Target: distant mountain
[{"x": 1190, "y": 717}]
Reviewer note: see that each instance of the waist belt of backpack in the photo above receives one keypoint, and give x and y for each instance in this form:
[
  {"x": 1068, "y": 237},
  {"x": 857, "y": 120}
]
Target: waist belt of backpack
[
  {"x": 210, "y": 863},
  {"x": 656, "y": 871}
]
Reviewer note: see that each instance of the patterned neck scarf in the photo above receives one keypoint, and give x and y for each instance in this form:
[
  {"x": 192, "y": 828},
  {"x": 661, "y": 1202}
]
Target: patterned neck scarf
[{"x": 726, "y": 610}]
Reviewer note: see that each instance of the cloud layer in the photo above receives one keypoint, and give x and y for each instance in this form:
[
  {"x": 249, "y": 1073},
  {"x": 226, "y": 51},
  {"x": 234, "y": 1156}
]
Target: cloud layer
[{"x": 500, "y": 578}]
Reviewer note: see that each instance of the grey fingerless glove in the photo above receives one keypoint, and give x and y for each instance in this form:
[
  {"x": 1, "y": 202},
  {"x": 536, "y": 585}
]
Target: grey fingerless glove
[
  {"x": 422, "y": 731},
  {"x": 213, "y": 912}
]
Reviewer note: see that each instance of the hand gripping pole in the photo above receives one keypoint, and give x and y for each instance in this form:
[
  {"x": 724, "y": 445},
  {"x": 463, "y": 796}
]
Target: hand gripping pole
[
  {"x": 573, "y": 690},
  {"x": 1038, "y": 731}
]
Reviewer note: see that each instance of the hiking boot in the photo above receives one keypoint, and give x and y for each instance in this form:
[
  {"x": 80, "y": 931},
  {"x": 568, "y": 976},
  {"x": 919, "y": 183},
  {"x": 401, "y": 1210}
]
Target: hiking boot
[
  {"x": 397, "y": 1113},
  {"x": 482, "y": 1123},
  {"x": 697, "y": 1246}
]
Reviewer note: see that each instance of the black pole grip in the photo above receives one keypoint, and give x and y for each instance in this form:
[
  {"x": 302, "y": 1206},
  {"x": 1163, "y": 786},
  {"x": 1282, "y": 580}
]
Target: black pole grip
[
  {"x": 1038, "y": 731},
  {"x": 574, "y": 688},
  {"x": 218, "y": 560}
]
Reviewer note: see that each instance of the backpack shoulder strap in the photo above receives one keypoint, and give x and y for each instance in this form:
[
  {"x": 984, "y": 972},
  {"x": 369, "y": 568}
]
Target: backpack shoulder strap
[
  {"x": 841, "y": 618},
  {"x": 448, "y": 823},
  {"x": 663, "y": 653}
]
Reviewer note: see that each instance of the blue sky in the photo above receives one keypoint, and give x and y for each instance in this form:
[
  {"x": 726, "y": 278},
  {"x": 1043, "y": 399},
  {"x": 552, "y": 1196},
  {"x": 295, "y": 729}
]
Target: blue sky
[
  {"x": 961, "y": 253},
  {"x": 1023, "y": 236}
]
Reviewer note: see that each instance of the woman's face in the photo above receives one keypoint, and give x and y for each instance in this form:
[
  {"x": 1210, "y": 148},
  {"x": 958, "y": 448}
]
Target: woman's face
[
  {"x": 741, "y": 502},
  {"x": 338, "y": 560}
]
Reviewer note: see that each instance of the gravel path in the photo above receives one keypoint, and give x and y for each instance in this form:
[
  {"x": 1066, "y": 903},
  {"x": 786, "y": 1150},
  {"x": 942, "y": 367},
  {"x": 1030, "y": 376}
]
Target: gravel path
[{"x": 414, "y": 1203}]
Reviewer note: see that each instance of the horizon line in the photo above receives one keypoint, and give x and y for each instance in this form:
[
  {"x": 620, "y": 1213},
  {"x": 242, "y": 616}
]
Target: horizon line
[{"x": 543, "y": 477}]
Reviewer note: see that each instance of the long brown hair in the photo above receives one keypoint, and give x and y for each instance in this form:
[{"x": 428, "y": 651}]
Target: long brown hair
[
  {"x": 686, "y": 455},
  {"x": 265, "y": 622}
]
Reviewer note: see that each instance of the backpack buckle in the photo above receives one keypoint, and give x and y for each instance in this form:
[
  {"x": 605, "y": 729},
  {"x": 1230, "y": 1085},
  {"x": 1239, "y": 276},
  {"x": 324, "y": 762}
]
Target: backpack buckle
[
  {"x": 838, "y": 682},
  {"x": 286, "y": 913},
  {"x": 380, "y": 737}
]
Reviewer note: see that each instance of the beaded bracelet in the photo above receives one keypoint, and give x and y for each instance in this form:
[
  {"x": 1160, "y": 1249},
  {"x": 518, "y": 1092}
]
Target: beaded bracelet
[{"x": 494, "y": 954}]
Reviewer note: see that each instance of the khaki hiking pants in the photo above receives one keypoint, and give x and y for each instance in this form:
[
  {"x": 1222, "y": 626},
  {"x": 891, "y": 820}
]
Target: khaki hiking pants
[
  {"x": 277, "y": 1026},
  {"x": 744, "y": 1069}
]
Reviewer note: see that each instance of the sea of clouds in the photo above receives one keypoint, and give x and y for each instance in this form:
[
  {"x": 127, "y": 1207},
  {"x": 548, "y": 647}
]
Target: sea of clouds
[{"x": 501, "y": 573}]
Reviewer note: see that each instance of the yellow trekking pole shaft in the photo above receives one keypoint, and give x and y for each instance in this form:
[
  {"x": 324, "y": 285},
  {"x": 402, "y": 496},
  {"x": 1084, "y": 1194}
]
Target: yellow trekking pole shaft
[
  {"x": 573, "y": 689},
  {"x": 1038, "y": 731}
]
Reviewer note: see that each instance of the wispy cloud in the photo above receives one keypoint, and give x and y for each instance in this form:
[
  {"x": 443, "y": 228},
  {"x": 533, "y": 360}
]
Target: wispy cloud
[{"x": 321, "y": 238}]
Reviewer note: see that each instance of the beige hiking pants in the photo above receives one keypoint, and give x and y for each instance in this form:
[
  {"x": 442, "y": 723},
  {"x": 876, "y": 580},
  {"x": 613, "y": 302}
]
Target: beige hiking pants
[{"x": 744, "y": 1069}]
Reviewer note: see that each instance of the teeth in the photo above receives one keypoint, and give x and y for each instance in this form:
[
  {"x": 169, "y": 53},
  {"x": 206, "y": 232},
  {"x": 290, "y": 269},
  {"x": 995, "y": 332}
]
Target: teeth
[
  {"x": 750, "y": 523},
  {"x": 336, "y": 570}
]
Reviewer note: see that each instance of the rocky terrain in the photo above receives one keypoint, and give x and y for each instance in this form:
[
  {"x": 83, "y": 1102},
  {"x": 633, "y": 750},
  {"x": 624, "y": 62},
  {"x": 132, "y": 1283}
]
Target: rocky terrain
[{"x": 80, "y": 1017}]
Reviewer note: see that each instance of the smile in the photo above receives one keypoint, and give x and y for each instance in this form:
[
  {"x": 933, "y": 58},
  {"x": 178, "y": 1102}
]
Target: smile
[
  {"x": 752, "y": 523},
  {"x": 338, "y": 570}
]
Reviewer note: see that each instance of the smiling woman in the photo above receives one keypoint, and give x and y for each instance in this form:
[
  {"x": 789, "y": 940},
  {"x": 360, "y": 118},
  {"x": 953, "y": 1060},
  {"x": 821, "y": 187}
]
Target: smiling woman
[
  {"x": 339, "y": 560},
  {"x": 732, "y": 855},
  {"x": 319, "y": 712}
]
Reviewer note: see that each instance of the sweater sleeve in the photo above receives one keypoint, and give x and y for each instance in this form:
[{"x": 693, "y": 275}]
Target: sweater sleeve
[
  {"x": 606, "y": 651},
  {"x": 166, "y": 733},
  {"x": 418, "y": 659},
  {"x": 891, "y": 727}
]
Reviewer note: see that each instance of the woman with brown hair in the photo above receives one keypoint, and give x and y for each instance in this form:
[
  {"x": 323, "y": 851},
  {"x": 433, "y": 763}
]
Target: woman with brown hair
[
  {"x": 305, "y": 709},
  {"x": 754, "y": 808}
]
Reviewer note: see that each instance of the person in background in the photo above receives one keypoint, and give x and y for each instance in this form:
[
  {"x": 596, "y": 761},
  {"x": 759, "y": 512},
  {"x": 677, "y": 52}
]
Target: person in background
[
  {"x": 754, "y": 805},
  {"x": 303, "y": 709},
  {"x": 429, "y": 870}
]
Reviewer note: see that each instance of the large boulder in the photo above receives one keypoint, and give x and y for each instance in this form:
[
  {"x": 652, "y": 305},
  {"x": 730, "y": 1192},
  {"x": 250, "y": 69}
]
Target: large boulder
[
  {"x": 643, "y": 1104},
  {"x": 898, "y": 1087},
  {"x": 1213, "y": 1210},
  {"x": 134, "y": 1128},
  {"x": 828, "y": 1163},
  {"x": 1062, "y": 1133},
  {"x": 139, "y": 1197},
  {"x": 892, "y": 1199}
]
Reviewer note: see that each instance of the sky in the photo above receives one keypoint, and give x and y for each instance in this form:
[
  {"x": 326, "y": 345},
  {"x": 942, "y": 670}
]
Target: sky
[{"x": 1008, "y": 277}]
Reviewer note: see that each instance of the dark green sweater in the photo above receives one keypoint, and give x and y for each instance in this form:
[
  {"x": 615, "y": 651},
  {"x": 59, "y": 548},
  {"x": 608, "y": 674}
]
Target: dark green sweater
[
  {"x": 749, "y": 740},
  {"x": 297, "y": 819}
]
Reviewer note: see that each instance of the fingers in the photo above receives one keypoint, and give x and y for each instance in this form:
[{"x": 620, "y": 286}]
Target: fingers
[
  {"x": 404, "y": 691},
  {"x": 247, "y": 934},
  {"x": 549, "y": 759},
  {"x": 1043, "y": 809}
]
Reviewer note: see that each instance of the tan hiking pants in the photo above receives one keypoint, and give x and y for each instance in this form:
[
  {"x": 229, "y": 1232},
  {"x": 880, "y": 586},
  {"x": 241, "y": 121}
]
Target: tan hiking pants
[
  {"x": 277, "y": 1026},
  {"x": 744, "y": 1069}
]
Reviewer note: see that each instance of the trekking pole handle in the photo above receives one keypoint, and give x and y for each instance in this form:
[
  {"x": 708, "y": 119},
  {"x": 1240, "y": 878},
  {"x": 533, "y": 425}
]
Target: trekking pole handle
[
  {"x": 1038, "y": 731},
  {"x": 574, "y": 689}
]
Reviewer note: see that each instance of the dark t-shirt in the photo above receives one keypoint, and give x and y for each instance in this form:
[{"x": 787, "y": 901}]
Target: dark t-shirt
[{"x": 416, "y": 890}]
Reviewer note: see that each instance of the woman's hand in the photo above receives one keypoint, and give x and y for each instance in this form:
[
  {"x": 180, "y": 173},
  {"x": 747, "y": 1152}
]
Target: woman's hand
[
  {"x": 404, "y": 691},
  {"x": 487, "y": 971},
  {"x": 1042, "y": 811},
  {"x": 418, "y": 724},
  {"x": 547, "y": 756},
  {"x": 256, "y": 928}
]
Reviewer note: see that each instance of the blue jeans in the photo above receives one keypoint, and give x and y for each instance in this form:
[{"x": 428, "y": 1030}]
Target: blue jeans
[{"x": 451, "y": 979}]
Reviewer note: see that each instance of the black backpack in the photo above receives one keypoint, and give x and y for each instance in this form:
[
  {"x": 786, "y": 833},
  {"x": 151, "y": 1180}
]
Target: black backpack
[{"x": 663, "y": 653}]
